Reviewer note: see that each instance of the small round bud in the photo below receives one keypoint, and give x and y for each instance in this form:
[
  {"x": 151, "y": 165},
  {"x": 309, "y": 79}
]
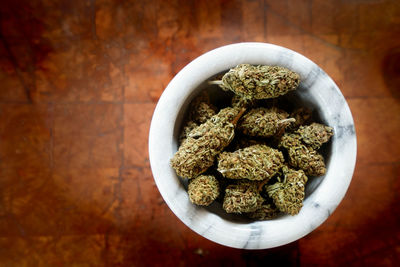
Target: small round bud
[
  {"x": 262, "y": 122},
  {"x": 315, "y": 134},
  {"x": 203, "y": 190}
]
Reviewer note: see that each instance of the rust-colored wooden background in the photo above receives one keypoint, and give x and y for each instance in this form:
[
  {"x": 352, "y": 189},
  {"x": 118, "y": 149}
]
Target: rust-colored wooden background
[{"x": 78, "y": 84}]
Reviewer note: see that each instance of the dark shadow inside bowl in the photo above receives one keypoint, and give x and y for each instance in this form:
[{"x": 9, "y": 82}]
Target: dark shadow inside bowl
[{"x": 288, "y": 102}]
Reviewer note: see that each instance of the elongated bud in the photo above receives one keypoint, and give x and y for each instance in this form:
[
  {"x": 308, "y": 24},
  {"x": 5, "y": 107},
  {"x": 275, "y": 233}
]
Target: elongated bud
[
  {"x": 263, "y": 122},
  {"x": 259, "y": 82},
  {"x": 198, "y": 151}
]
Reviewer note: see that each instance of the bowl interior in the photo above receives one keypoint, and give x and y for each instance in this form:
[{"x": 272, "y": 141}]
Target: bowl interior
[{"x": 221, "y": 99}]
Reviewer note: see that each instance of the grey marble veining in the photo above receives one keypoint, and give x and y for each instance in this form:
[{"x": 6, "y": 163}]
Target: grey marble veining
[{"x": 323, "y": 193}]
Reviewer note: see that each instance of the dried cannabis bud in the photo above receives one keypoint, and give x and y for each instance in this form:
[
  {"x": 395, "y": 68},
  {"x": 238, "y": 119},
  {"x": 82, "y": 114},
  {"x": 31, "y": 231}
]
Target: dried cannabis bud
[
  {"x": 289, "y": 140},
  {"x": 203, "y": 190},
  {"x": 259, "y": 82},
  {"x": 253, "y": 179},
  {"x": 263, "y": 122},
  {"x": 288, "y": 195},
  {"x": 201, "y": 112},
  {"x": 301, "y": 116},
  {"x": 190, "y": 125},
  {"x": 302, "y": 145},
  {"x": 197, "y": 152},
  {"x": 315, "y": 134},
  {"x": 307, "y": 159},
  {"x": 257, "y": 162},
  {"x": 242, "y": 197},
  {"x": 302, "y": 156},
  {"x": 264, "y": 212}
]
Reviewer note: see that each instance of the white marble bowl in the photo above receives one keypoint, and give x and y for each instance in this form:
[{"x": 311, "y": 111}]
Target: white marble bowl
[{"x": 323, "y": 194}]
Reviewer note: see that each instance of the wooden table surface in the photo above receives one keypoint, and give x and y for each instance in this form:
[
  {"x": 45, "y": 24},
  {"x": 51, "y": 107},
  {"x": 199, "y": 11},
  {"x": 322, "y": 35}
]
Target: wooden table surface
[{"x": 79, "y": 81}]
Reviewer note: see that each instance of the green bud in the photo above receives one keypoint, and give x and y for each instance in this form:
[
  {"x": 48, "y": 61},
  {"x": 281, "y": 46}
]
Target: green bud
[
  {"x": 307, "y": 159},
  {"x": 302, "y": 156},
  {"x": 198, "y": 151},
  {"x": 315, "y": 134},
  {"x": 257, "y": 162},
  {"x": 260, "y": 82},
  {"x": 289, "y": 140},
  {"x": 201, "y": 112},
  {"x": 190, "y": 125},
  {"x": 203, "y": 190},
  {"x": 242, "y": 197},
  {"x": 288, "y": 195},
  {"x": 263, "y": 122}
]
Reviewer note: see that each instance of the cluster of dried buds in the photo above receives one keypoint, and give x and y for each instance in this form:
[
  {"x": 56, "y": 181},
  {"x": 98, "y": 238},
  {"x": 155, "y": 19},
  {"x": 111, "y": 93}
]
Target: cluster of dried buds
[{"x": 253, "y": 156}]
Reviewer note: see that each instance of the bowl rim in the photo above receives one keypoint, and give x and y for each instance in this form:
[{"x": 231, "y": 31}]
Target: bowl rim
[{"x": 259, "y": 234}]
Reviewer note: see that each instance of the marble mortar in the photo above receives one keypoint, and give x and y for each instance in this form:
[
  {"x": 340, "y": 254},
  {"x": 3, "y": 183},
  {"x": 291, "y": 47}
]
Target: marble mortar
[{"x": 323, "y": 194}]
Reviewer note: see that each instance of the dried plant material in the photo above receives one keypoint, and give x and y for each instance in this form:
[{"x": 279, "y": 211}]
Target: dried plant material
[
  {"x": 263, "y": 122},
  {"x": 198, "y": 151},
  {"x": 242, "y": 197},
  {"x": 201, "y": 112},
  {"x": 253, "y": 179},
  {"x": 264, "y": 212},
  {"x": 301, "y": 115},
  {"x": 302, "y": 144},
  {"x": 288, "y": 195},
  {"x": 203, "y": 190},
  {"x": 259, "y": 82},
  {"x": 289, "y": 140},
  {"x": 315, "y": 134},
  {"x": 190, "y": 125},
  {"x": 307, "y": 159},
  {"x": 302, "y": 156},
  {"x": 241, "y": 102},
  {"x": 257, "y": 162}
]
